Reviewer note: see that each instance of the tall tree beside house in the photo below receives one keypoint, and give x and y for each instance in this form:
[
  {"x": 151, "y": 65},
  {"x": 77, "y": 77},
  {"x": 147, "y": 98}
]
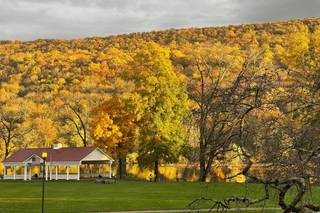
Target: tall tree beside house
[
  {"x": 113, "y": 128},
  {"x": 161, "y": 97},
  {"x": 75, "y": 116},
  {"x": 44, "y": 131},
  {"x": 12, "y": 118}
]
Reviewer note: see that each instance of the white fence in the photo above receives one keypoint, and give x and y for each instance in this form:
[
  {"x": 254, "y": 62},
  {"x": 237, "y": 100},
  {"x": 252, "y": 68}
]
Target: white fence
[
  {"x": 53, "y": 177},
  {"x": 64, "y": 177},
  {"x": 11, "y": 177}
]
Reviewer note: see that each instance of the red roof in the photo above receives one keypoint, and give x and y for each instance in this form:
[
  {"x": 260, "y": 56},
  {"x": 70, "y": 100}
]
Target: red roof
[{"x": 54, "y": 155}]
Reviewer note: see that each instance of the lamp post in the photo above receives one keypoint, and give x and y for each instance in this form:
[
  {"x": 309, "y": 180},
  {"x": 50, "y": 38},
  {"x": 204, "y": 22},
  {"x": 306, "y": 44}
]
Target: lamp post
[{"x": 44, "y": 156}]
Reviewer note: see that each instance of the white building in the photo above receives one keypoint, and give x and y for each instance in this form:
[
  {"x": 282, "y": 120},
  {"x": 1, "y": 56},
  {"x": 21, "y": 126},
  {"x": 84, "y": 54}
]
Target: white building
[{"x": 57, "y": 158}]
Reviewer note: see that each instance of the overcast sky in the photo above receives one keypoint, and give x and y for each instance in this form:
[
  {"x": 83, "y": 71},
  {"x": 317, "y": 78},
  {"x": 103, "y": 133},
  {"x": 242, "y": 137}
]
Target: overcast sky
[{"x": 65, "y": 19}]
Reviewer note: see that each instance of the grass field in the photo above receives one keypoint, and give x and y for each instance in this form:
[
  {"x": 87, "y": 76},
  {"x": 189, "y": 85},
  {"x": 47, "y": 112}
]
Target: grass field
[{"x": 87, "y": 196}]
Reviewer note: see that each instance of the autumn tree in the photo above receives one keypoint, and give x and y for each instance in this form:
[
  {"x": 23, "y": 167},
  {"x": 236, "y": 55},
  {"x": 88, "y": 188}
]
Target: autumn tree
[
  {"x": 44, "y": 132},
  {"x": 113, "y": 128},
  {"x": 284, "y": 136},
  {"x": 161, "y": 102},
  {"x": 77, "y": 116},
  {"x": 225, "y": 85},
  {"x": 12, "y": 118},
  {"x": 295, "y": 133}
]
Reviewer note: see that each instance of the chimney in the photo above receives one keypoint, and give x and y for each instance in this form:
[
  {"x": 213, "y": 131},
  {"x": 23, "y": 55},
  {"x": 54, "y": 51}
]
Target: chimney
[{"x": 57, "y": 145}]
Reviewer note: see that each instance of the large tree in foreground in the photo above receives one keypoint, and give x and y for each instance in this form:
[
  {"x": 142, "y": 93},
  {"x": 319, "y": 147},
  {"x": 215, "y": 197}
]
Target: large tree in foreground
[
  {"x": 225, "y": 85},
  {"x": 285, "y": 136},
  {"x": 161, "y": 102}
]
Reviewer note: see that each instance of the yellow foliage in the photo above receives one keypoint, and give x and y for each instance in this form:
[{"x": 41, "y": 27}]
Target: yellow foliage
[{"x": 113, "y": 127}]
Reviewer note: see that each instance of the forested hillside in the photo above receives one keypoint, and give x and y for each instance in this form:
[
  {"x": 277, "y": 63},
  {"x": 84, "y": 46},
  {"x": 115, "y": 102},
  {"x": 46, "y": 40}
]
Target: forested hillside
[{"x": 159, "y": 92}]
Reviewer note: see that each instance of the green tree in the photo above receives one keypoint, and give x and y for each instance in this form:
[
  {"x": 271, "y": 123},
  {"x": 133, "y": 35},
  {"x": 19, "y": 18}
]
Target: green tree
[{"x": 161, "y": 99}]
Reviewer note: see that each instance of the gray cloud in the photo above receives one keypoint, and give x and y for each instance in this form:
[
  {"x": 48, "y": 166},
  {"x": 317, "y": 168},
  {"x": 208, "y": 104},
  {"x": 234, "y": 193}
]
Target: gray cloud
[
  {"x": 32, "y": 19},
  {"x": 262, "y": 10}
]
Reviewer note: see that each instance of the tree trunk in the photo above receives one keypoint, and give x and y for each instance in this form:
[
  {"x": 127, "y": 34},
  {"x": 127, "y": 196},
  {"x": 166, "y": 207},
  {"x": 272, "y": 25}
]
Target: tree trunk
[
  {"x": 84, "y": 142},
  {"x": 208, "y": 168},
  {"x": 202, "y": 126},
  {"x": 6, "y": 153},
  {"x": 202, "y": 157},
  {"x": 202, "y": 165},
  {"x": 120, "y": 168},
  {"x": 156, "y": 171},
  {"x": 124, "y": 166}
]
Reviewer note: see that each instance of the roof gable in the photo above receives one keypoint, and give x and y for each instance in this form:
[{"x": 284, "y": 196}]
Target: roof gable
[
  {"x": 23, "y": 155},
  {"x": 37, "y": 158},
  {"x": 54, "y": 155},
  {"x": 97, "y": 154}
]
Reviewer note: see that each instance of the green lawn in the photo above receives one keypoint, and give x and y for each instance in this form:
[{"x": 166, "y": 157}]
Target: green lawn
[{"x": 87, "y": 196}]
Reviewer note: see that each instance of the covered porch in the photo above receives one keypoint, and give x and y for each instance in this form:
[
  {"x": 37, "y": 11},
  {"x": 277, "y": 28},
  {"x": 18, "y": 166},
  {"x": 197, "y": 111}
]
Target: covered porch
[
  {"x": 58, "y": 170},
  {"x": 60, "y": 165}
]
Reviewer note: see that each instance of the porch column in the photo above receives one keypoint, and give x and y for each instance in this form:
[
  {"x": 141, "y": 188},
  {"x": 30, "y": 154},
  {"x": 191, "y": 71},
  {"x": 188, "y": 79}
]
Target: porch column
[
  {"x": 56, "y": 172},
  {"x": 50, "y": 169},
  {"x": 67, "y": 172},
  {"x": 30, "y": 172},
  {"x": 14, "y": 172},
  {"x": 46, "y": 175},
  {"x": 25, "y": 171},
  {"x": 78, "y": 178},
  {"x": 110, "y": 168}
]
